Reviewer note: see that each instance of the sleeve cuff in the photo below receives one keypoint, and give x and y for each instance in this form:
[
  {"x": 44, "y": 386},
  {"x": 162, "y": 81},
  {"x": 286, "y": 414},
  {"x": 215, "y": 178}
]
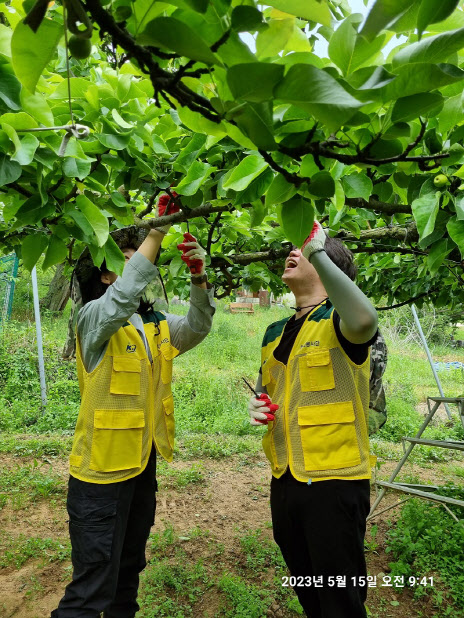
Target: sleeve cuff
[{"x": 201, "y": 296}]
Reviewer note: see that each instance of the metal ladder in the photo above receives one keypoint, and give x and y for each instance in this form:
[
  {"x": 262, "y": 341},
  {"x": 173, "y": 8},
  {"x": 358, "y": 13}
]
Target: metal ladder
[{"x": 423, "y": 491}]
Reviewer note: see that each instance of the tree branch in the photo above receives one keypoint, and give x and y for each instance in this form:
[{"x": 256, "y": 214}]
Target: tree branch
[{"x": 373, "y": 204}]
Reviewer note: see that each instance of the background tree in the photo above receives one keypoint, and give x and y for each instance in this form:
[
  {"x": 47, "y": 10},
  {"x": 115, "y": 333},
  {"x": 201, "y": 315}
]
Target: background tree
[{"x": 226, "y": 102}]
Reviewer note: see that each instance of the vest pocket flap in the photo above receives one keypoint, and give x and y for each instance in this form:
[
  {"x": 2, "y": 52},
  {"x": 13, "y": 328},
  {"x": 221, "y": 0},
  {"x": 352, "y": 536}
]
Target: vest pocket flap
[
  {"x": 119, "y": 419},
  {"x": 168, "y": 404},
  {"x": 169, "y": 351},
  {"x": 327, "y": 414},
  {"x": 317, "y": 359},
  {"x": 129, "y": 365}
]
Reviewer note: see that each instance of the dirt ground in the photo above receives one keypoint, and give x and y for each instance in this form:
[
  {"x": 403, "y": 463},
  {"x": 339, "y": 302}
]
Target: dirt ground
[{"x": 234, "y": 497}]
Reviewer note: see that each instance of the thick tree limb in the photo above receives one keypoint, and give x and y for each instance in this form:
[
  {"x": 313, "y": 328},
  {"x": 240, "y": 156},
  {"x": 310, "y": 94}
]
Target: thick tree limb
[
  {"x": 373, "y": 204},
  {"x": 178, "y": 217}
]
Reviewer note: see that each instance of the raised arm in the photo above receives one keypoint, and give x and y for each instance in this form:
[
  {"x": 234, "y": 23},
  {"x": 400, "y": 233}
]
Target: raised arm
[
  {"x": 358, "y": 317},
  {"x": 99, "y": 319}
]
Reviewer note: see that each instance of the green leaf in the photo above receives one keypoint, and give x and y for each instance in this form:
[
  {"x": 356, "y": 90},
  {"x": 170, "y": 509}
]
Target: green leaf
[
  {"x": 408, "y": 108},
  {"x": 343, "y": 41},
  {"x": 280, "y": 191},
  {"x": 357, "y": 185},
  {"x": 273, "y": 39},
  {"x": 312, "y": 10},
  {"x": 254, "y": 81},
  {"x": 159, "y": 147},
  {"x": 422, "y": 77},
  {"x": 76, "y": 168},
  {"x": 433, "y": 12},
  {"x": 382, "y": 14},
  {"x": 319, "y": 93},
  {"x": 80, "y": 219},
  {"x": 322, "y": 185},
  {"x": 36, "y": 106},
  {"x": 425, "y": 210},
  {"x": 95, "y": 217},
  {"x": 19, "y": 120},
  {"x": 56, "y": 252},
  {"x": 257, "y": 214},
  {"x": 32, "y": 211},
  {"x": 297, "y": 216},
  {"x": 10, "y": 88},
  {"x": 247, "y": 170},
  {"x": 246, "y": 19},
  {"x": 255, "y": 121},
  {"x": 456, "y": 231},
  {"x": 32, "y": 51},
  {"x": 431, "y": 49},
  {"x": 115, "y": 142},
  {"x": 5, "y": 40},
  {"x": 114, "y": 257},
  {"x": 459, "y": 203},
  {"x": 438, "y": 252},
  {"x": 196, "y": 176},
  {"x": 79, "y": 88},
  {"x": 32, "y": 248},
  {"x": 10, "y": 171},
  {"x": 175, "y": 35},
  {"x": 193, "y": 150},
  {"x": 24, "y": 155},
  {"x": 256, "y": 189}
]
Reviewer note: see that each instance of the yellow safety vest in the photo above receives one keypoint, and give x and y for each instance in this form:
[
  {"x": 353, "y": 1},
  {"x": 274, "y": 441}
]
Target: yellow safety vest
[
  {"x": 126, "y": 405},
  {"x": 321, "y": 427}
]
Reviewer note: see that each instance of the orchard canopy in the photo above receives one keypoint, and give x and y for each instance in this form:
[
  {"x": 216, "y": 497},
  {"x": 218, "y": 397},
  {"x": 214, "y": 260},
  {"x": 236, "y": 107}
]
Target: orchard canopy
[{"x": 259, "y": 116}]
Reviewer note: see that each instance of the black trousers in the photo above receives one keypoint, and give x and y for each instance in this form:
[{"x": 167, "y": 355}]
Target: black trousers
[
  {"x": 320, "y": 530},
  {"x": 109, "y": 527}
]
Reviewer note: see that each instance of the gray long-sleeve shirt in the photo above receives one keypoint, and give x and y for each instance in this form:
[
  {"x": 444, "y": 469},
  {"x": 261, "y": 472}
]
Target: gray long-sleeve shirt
[{"x": 99, "y": 319}]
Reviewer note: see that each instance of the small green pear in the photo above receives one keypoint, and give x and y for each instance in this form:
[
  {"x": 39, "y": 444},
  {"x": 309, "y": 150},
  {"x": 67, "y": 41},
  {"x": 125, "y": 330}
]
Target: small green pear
[{"x": 440, "y": 181}]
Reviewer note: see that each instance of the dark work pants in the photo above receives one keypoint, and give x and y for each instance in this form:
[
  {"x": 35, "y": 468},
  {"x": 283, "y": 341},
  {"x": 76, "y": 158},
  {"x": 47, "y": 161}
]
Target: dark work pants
[
  {"x": 320, "y": 530},
  {"x": 109, "y": 527}
]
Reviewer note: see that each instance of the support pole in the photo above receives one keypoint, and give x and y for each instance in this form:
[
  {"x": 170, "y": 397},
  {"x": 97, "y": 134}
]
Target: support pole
[
  {"x": 38, "y": 327},
  {"x": 429, "y": 356}
]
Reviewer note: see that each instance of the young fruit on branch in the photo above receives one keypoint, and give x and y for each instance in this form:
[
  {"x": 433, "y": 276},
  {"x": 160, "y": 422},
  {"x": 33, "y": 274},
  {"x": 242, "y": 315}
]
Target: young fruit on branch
[
  {"x": 79, "y": 48},
  {"x": 441, "y": 181}
]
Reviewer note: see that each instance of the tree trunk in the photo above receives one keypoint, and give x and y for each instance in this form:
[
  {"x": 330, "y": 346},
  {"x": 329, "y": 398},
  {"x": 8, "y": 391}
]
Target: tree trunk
[{"x": 58, "y": 291}]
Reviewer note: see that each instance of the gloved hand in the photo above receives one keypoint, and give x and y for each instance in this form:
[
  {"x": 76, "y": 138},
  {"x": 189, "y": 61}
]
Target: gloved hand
[
  {"x": 315, "y": 241},
  {"x": 166, "y": 206},
  {"x": 193, "y": 255},
  {"x": 261, "y": 410}
]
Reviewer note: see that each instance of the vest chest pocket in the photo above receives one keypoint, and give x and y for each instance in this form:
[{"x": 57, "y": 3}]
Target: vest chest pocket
[
  {"x": 125, "y": 376},
  {"x": 328, "y": 436},
  {"x": 117, "y": 440},
  {"x": 316, "y": 371}
]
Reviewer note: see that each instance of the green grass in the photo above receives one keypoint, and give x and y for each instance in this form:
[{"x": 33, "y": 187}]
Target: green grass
[
  {"x": 427, "y": 541},
  {"x": 174, "y": 478},
  {"x": 17, "y": 551},
  {"x": 25, "y": 483}
]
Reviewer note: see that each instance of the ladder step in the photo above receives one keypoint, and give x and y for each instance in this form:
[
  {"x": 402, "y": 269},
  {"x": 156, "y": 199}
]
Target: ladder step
[
  {"x": 458, "y": 446},
  {"x": 422, "y": 494}
]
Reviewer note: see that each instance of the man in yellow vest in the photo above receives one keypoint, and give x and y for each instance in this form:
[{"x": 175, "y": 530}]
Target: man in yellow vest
[
  {"x": 125, "y": 351},
  {"x": 315, "y": 367}
]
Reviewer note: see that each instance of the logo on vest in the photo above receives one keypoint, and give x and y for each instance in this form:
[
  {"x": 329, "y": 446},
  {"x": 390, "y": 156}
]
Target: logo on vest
[
  {"x": 165, "y": 340},
  {"x": 131, "y": 348},
  {"x": 310, "y": 343}
]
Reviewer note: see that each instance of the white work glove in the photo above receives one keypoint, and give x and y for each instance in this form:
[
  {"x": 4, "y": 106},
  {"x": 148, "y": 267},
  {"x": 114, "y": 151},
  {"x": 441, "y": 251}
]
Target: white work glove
[
  {"x": 315, "y": 241},
  {"x": 193, "y": 255},
  {"x": 261, "y": 410}
]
